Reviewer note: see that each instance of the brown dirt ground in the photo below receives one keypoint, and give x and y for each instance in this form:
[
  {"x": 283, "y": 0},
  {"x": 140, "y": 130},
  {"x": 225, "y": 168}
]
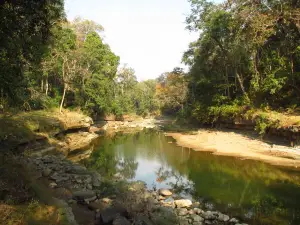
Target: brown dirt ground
[{"x": 238, "y": 145}]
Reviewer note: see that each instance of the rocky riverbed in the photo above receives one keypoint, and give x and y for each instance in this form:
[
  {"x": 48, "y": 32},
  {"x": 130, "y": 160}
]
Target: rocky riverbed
[
  {"x": 84, "y": 196},
  {"x": 115, "y": 201},
  {"x": 113, "y": 126}
]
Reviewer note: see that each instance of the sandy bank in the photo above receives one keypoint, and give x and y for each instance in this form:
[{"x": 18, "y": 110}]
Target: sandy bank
[{"x": 238, "y": 145}]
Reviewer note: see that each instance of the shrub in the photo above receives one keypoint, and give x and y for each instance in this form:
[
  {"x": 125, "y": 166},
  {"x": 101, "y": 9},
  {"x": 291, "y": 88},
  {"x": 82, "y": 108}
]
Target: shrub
[{"x": 262, "y": 124}]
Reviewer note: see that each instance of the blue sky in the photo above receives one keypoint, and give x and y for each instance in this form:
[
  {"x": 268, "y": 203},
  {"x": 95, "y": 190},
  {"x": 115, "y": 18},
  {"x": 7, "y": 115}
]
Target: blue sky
[{"x": 148, "y": 35}]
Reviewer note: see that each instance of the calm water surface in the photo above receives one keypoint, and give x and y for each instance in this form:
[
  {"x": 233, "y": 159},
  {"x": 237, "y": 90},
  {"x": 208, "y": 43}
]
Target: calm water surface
[{"x": 254, "y": 191}]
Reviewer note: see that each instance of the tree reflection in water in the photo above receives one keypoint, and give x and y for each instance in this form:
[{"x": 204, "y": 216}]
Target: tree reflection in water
[
  {"x": 177, "y": 182},
  {"x": 260, "y": 192},
  {"x": 127, "y": 167}
]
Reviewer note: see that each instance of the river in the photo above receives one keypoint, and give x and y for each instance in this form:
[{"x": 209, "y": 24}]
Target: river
[{"x": 253, "y": 191}]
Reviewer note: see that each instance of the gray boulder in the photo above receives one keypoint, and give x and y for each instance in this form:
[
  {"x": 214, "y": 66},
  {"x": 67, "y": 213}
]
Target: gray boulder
[
  {"x": 46, "y": 172},
  {"x": 182, "y": 212},
  {"x": 208, "y": 215},
  {"x": 223, "y": 217},
  {"x": 198, "y": 223},
  {"x": 60, "y": 177},
  {"x": 121, "y": 221},
  {"x": 110, "y": 214},
  {"x": 183, "y": 221},
  {"x": 197, "y": 218},
  {"x": 84, "y": 194}
]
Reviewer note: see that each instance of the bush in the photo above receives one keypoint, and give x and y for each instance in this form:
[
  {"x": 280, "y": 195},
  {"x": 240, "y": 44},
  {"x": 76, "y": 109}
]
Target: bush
[
  {"x": 40, "y": 101},
  {"x": 262, "y": 124},
  {"x": 224, "y": 112}
]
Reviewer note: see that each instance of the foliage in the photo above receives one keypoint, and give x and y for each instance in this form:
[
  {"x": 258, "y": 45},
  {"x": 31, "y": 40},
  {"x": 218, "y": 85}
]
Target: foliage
[
  {"x": 24, "y": 36},
  {"x": 171, "y": 91},
  {"x": 247, "y": 53},
  {"x": 261, "y": 124},
  {"x": 131, "y": 96},
  {"x": 64, "y": 64}
]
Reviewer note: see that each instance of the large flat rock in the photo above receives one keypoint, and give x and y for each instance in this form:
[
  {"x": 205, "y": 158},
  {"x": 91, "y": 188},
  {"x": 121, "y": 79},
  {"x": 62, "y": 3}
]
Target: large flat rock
[
  {"x": 183, "y": 203},
  {"x": 78, "y": 141}
]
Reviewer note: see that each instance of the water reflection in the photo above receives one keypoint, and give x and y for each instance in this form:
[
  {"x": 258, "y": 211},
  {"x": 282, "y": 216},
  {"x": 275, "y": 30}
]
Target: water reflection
[
  {"x": 175, "y": 181},
  {"x": 262, "y": 193}
]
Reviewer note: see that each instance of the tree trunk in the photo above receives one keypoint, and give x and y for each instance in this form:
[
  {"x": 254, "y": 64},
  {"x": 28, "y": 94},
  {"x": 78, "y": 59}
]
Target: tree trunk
[
  {"x": 1, "y": 101},
  {"x": 227, "y": 82},
  {"x": 47, "y": 86},
  {"x": 256, "y": 64},
  {"x": 292, "y": 69},
  {"x": 65, "y": 87},
  {"x": 42, "y": 84},
  {"x": 63, "y": 98},
  {"x": 241, "y": 83}
]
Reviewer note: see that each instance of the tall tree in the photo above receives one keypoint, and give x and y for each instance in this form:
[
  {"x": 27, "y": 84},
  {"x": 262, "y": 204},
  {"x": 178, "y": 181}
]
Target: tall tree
[
  {"x": 247, "y": 53},
  {"x": 25, "y": 29},
  {"x": 102, "y": 64},
  {"x": 171, "y": 90},
  {"x": 84, "y": 27}
]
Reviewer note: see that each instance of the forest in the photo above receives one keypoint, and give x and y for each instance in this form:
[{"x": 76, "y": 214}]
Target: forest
[
  {"x": 47, "y": 61},
  {"x": 246, "y": 56}
]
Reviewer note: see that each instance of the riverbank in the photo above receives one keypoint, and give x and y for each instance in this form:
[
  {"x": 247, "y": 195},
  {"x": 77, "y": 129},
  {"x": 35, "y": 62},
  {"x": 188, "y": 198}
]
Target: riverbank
[
  {"x": 76, "y": 195},
  {"x": 245, "y": 145},
  {"x": 43, "y": 183},
  {"x": 24, "y": 197},
  {"x": 36, "y": 126},
  {"x": 88, "y": 198}
]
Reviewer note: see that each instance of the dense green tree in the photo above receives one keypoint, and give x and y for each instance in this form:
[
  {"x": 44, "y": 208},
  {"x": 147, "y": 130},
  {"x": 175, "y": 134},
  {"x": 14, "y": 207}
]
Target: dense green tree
[
  {"x": 247, "y": 53},
  {"x": 146, "y": 102},
  {"x": 125, "y": 91},
  {"x": 25, "y": 30},
  {"x": 102, "y": 65},
  {"x": 83, "y": 73}
]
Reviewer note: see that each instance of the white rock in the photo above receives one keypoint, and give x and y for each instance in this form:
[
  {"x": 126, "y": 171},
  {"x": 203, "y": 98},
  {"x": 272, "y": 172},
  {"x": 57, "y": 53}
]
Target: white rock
[
  {"x": 165, "y": 192},
  {"x": 106, "y": 200},
  {"x": 53, "y": 185},
  {"x": 161, "y": 198},
  {"x": 198, "y": 211},
  {"x": 183, "y": 203},
  {"x": 233, "y": 220}
]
